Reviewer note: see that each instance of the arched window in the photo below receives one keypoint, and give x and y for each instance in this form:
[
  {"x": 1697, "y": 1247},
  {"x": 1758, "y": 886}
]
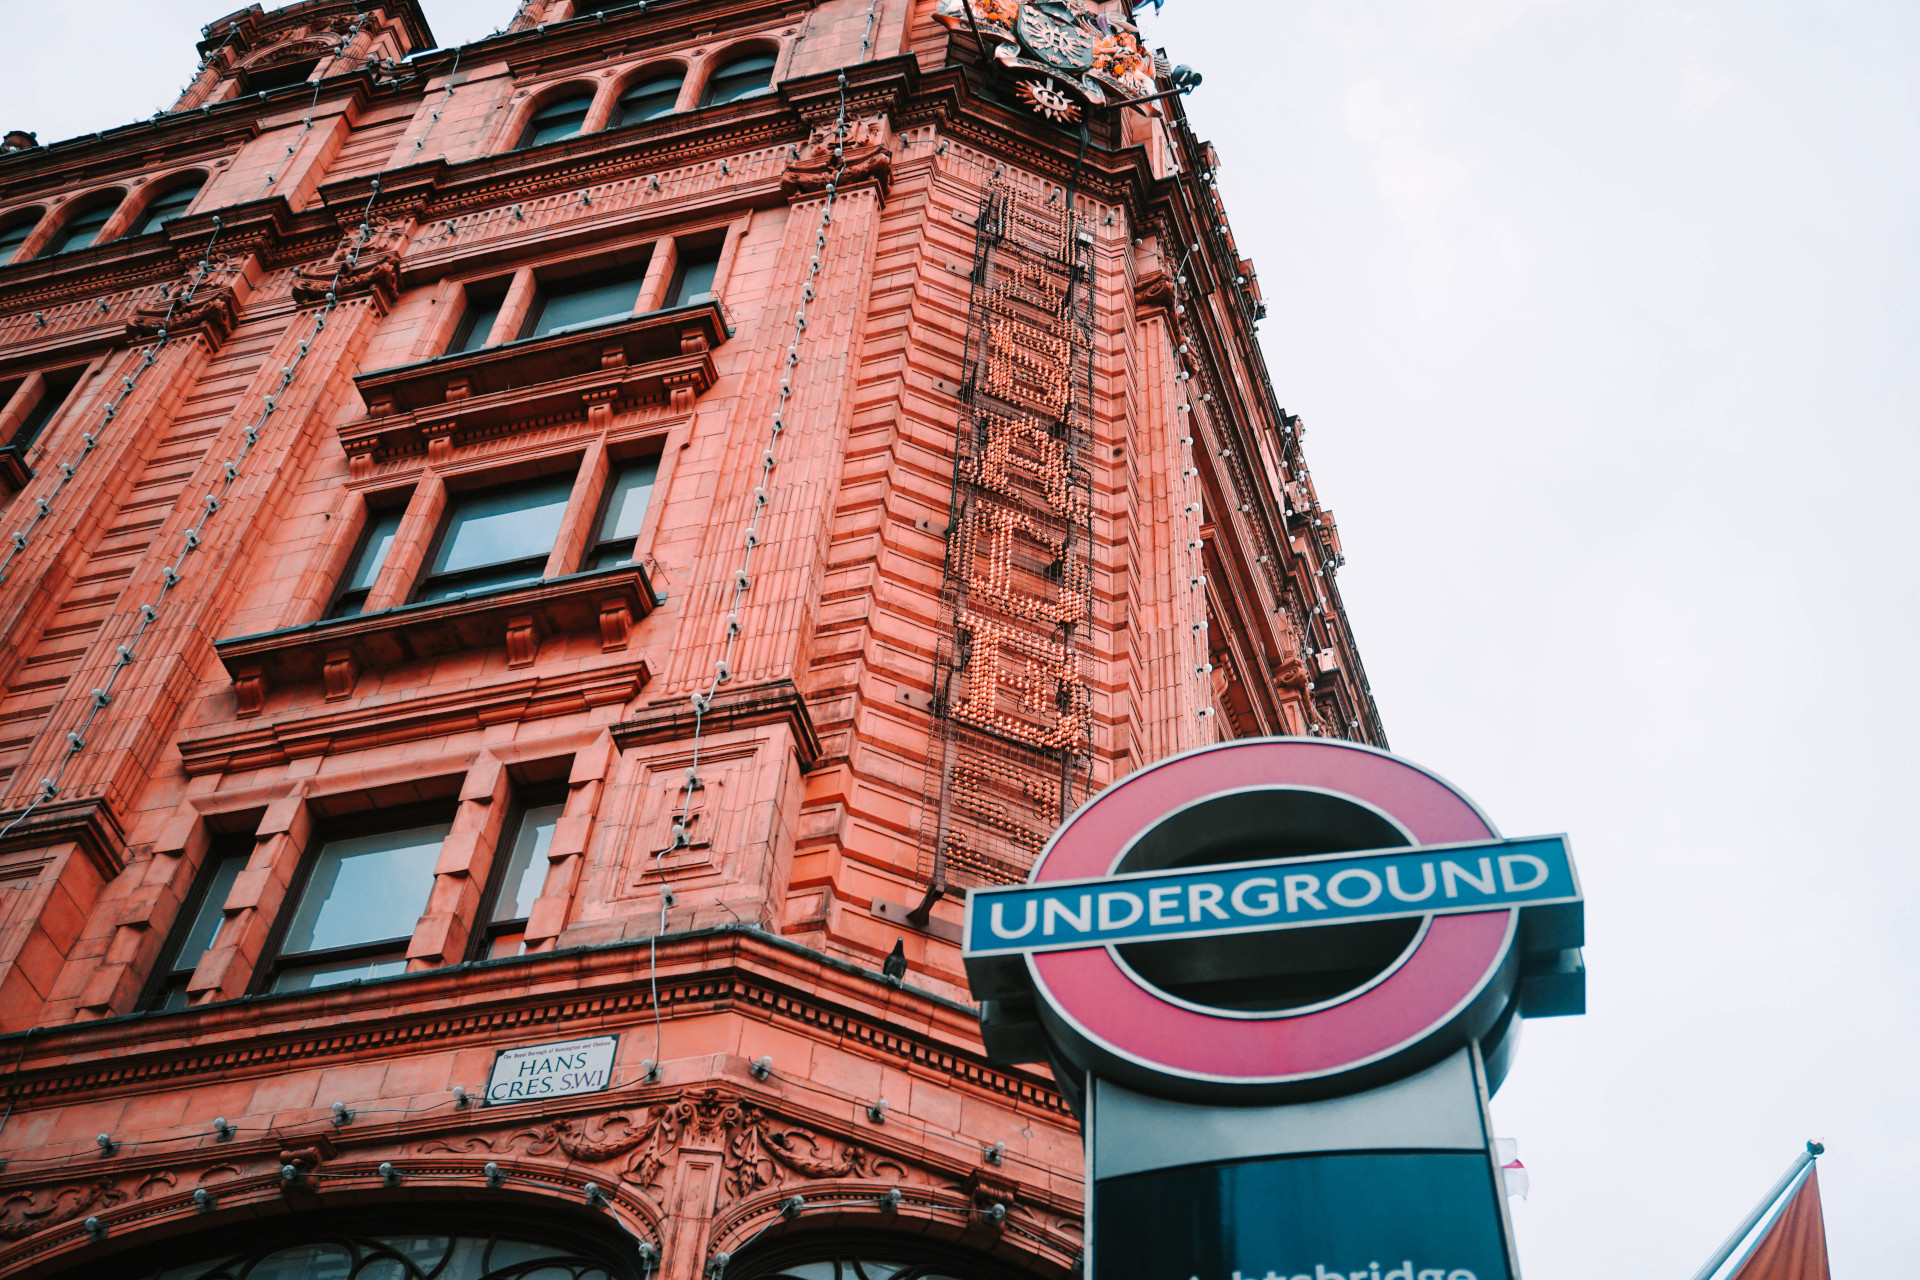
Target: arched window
[
  {"x": 385, "y": 1245},
  {"x": 558, "y": 118},
  {"x": 648, "y": 98},
  {"x": 848, "y": 1267},
  {"x": 80, "y": 229},
  {"x": 740, "y": 77},
  {"x": 15, "y": 234},
  {"x": 168, "y": 205}
]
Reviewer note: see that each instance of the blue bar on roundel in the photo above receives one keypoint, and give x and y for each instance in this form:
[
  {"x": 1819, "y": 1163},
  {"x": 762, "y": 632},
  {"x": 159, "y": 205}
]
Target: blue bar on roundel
[{"x": 1280, "y": 893}]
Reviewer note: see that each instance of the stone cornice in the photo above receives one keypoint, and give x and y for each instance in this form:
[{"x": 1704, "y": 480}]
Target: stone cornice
[
  {"x": 320, "y": 730},
  {"x": 54, "y": 171},
  {"x": 731, "y": 709},
  {"x": 90, "y": 824},
  {"x": 729, "y": 969},
  {"x": 583, "y": 40}
]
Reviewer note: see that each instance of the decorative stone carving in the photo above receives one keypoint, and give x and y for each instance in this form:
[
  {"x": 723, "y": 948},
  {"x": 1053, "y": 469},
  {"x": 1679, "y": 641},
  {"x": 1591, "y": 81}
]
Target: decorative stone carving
[
  {"x": 356, "y": 266},
  {"x": 26, "y": 1212},
  {"x": 757, "y": 1149},
  {"x": 866, "y": 154},
  {"x": 1064, "y": 54},
  {"x": 211, "y": 305}
]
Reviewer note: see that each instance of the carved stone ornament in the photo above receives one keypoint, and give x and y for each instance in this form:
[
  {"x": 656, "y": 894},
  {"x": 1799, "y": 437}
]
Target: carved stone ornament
[
  {"x": 866, "y": 153},
  {"x": 1064, "y": 55},
  {"x": 26, "y": 1212},
  {"x": 355, "y": 267},
  {"x": 212, "y": 305},
  {"x": 758, "y": 1149}
]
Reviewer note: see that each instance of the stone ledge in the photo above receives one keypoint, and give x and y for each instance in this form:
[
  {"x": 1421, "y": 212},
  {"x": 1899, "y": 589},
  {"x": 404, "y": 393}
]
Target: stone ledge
[
  {"x": 337, "y": 650},
  {"x": 731, "y": 709},
  {"x": 662, "y": 356},
  {"x": 263, "y": 744}
]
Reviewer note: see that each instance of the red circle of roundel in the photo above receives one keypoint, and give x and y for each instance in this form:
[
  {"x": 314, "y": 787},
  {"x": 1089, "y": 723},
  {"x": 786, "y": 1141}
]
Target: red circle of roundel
[{"x": 1451, "y": 964}]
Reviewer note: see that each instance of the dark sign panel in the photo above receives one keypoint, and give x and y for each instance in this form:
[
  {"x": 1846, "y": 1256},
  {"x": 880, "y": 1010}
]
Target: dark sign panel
[{"x": 1365, "y": 1216}]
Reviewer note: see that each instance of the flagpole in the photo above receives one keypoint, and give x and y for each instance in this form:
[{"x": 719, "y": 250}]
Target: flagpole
[{"x": 1772, "y": 1197}]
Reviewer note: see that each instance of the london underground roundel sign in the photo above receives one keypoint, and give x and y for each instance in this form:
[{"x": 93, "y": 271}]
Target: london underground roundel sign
[{"x": 1270, "y": 916}]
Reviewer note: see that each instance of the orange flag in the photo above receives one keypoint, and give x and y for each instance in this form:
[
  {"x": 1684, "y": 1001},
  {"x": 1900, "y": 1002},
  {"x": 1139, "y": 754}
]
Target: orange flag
[{"x": 1795, "y": 1247}]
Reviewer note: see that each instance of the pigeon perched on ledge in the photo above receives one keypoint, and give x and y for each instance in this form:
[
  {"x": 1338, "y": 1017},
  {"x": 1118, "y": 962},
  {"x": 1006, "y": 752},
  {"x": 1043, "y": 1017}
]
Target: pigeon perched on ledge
[{"x": 894, "y": 967}]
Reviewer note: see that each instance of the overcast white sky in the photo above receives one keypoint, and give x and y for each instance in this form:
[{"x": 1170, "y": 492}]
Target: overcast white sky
[{"x": 1603, "y": 320}]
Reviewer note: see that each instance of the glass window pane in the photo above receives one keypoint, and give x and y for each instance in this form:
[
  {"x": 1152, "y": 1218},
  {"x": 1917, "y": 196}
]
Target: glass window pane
[
  {"x": 304, "y": 1262},
  {"x": 381, "y": 527},
  {"x": 740, "y": 78},
  {"x": 208, "y": 915},
  {"x": 169, "y": 205},
  {"x": 53, "y": 395},
  {"x": 574, "y": 305},
  {"x": 627, "y": 497},
  {"x": 559, "y": 119},
  {"x": 507, "y": 1253},
  {"x": 648, "y": 100},
  {"x": 424, "y": 1251},
  {"x": 475, "y": 325},
  {"x": 813, "y": 1271},
  {"x": 526, "y": 872},
  {"x": 366, "y": 889},
  {"x": 80, "y": 230},
  {"x": 500, "y": 526},
  {"x": 693, "y": 282},
  {"x": 315, "y": 976},
  {"x": 14, "y": 236},
  {"x": 518, "y": 574}
]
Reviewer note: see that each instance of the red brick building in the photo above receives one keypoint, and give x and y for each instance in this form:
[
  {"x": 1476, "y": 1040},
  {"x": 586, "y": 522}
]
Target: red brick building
[{"x": 588, "y": 542}]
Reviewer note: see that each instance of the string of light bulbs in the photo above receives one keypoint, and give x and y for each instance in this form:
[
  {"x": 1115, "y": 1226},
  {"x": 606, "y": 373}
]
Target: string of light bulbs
[
  {"x": 170, "y": 577},
  {"x": 90, "y": 440},
  {"x": 702, "y": 700}
]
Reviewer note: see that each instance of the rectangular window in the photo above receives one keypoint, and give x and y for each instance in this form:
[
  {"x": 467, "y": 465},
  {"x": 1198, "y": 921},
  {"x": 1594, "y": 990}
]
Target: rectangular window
[
  {"x": 199, "y": 923},
  {"x": 375, "y": 541},
  {"x": 57, "y": 386},
  {"x": 358, "y": 907},
  {"x": 589, "y": 300},
  {"x": 623, "y": 509},
  {"x": 496, "y": 538},
  {"x": 475, "y": 324},
  {"x": 519, "y": 876},
  {"x": 693, "y": 278}
]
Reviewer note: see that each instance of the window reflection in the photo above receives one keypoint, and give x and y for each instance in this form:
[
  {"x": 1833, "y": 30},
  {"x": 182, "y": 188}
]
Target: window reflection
[
  {"x": 497, "y": 538},
  {"x": 14, "y": 235},
  {"x": 693, "y": 278},
  {"x": 340, "y": 1256},
  {"x": 168, "y": 206},
  {"x": 648, "y": 99},
  {"x": 628, "y": 491},
  {"x": 560, "y": 118},
  {"x": 362, "y": 898},
  {"x": 740, "y": 78},
  {"x": 368, "y": 559},
  {"x": 576, "y": 304},
  {"x": 517, "y": 885},
  {"x": 80, "y": 230},
  {"x": 203, "y": 919}
]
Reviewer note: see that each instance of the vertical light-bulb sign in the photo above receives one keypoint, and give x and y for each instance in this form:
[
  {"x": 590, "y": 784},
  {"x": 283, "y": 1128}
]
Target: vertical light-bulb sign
[{"x": 1280, "y": 978}]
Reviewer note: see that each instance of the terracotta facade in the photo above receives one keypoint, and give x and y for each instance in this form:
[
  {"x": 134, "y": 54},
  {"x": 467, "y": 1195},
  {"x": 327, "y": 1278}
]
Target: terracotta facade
[{"x": 344, "y": 336}]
